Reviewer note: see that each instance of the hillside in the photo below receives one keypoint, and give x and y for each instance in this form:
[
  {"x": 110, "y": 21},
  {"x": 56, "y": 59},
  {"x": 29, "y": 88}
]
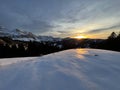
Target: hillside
[{"x": 75, "y": 69}]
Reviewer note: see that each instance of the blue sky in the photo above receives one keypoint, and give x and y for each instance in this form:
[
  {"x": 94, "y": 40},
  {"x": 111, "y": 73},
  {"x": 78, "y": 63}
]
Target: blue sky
[{"x": 62, "y": 18}]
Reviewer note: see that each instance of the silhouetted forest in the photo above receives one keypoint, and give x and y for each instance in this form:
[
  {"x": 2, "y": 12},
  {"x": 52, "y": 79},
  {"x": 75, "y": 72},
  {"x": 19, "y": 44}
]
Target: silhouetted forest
[
  {"x": 11, "y": 48},
  {"x": 27, "y": 49},
  {"x": 112, "y": 43}
]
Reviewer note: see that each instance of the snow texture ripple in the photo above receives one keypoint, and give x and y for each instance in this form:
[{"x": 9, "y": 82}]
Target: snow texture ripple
[{"x": 76, "y": 69}]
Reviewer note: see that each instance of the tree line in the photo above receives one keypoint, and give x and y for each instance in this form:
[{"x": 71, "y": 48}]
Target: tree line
[
  {"x": 10, "y": 48},
  {"x": 111, "y": 43},
  {"x": 29, "y": 49}
]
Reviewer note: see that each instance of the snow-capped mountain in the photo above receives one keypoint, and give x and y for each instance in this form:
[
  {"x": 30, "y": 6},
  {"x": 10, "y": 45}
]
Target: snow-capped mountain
[
  {"x": 4, "y": 32},
  {"x": 24, "y": 35},
  {"x": 48, "y": 38}
]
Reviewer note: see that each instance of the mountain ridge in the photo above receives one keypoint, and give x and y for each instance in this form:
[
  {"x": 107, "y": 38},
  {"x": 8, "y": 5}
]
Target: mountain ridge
[{"x": 21, "y": 35}]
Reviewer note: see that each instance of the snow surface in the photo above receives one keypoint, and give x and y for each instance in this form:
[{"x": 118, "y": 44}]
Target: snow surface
[{"x": 76, "y": 69}]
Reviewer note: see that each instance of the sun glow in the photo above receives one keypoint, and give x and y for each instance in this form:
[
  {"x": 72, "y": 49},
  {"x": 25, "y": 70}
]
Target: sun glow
[{"x": 80, "y": 37}]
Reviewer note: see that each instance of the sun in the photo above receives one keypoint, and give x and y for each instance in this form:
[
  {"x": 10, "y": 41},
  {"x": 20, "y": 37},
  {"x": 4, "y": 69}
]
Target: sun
[{"x": 80, "y": 37}]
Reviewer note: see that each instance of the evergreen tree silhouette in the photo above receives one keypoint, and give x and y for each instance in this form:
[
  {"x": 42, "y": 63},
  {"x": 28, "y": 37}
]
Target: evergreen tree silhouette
[{"x": 112, "y": 36}]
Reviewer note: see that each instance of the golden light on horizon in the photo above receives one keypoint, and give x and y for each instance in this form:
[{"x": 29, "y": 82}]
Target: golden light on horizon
[{"x": 80, "y": 37}]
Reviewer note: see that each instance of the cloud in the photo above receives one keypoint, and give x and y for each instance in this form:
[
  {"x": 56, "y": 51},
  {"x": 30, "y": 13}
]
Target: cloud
[
  {"x": 61, "y": 17},
  {"x": 35, "y": 15},
  {"x": 38, "y": 26},
  {"x": 103, "y": 29}
]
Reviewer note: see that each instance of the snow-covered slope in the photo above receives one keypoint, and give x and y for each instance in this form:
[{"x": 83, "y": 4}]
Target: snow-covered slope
[{"x": 77, "y": 69}]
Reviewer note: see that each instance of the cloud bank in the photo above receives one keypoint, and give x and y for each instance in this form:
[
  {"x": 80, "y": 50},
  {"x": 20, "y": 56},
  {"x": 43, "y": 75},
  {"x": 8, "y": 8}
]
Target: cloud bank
[{"x": 61, "y": 18}]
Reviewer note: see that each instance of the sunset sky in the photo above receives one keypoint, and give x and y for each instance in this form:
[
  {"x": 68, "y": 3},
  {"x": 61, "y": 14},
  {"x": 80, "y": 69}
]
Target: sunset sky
[{"x": 62, "y": 18}]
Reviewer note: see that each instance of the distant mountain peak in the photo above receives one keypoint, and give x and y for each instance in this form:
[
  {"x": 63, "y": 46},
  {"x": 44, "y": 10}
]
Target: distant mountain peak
[{"x": 21, "y": 35}]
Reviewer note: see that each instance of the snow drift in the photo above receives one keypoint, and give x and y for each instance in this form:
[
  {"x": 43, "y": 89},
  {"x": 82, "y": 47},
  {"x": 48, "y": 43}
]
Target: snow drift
[{"x": 76, "y": 69}]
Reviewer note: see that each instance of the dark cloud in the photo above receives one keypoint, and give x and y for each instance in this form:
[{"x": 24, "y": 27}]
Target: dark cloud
[
  {"x": 41, "y": 16},
  {"x": 103, "y": 29},
  {"x": 33, "y": 15},
  {"x": 38, "y": 26},
  {"x": 62, "y": 32}
]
